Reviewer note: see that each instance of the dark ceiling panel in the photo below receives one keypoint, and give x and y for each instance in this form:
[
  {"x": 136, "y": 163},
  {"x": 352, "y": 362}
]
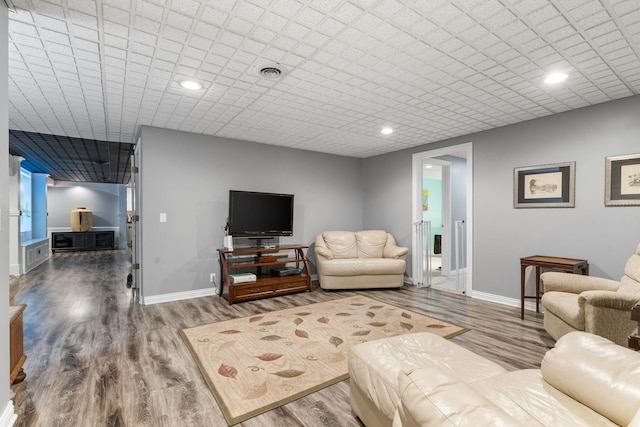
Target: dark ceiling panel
[{"x": 73, "y": 159}]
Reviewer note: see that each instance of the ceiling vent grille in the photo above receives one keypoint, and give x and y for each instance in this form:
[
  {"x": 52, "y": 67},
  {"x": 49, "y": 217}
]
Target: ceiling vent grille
[{"x": 271, "y": 70}]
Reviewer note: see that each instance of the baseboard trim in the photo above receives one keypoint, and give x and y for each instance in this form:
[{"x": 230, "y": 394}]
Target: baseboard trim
[
  {"x": 14, "y": 269},
  {"x": 177, "y": 296},
  {"x": 8, "y": 416},
  {"x": 498, "y": 299}
]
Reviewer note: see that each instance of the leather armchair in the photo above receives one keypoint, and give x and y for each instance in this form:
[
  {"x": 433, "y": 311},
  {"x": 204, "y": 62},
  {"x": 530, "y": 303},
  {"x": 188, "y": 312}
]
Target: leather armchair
[{"x": 591, "y": 304}]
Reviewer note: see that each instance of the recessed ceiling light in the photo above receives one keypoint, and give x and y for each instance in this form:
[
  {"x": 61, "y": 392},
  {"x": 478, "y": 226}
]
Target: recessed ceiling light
[
  {"x": 554, "y": 78},
  {"x": 386, "y": 131},
  {"x": 190, "y": 84}
]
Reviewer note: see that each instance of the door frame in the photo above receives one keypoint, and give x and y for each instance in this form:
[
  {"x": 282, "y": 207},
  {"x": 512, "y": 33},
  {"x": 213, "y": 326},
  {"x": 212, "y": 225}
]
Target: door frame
[
  {"x": 416, "y": 203},
  {"x": 137, "y": 226}
]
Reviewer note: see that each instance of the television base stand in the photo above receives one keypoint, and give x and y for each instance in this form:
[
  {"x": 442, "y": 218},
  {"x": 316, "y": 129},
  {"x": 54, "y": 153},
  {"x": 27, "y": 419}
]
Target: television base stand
[{"x": 261, "y": 262}]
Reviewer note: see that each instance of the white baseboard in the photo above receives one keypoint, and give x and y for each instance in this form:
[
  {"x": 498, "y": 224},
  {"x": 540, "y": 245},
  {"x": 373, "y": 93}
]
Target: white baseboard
[
  {"x": 498, "y": 299},
  {"x": 8, "y": 416},
  {"x": 14, "y": 269},
  {"x": 177, "y": 296}
]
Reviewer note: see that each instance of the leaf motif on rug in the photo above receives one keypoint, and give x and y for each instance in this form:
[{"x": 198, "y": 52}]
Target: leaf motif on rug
[
  {"x": 256, "y": 392},
  {"x": 301, "y": 334},
  {"x": 335, "y": 341},
  {"x": 289, "y": 373},
  {"x": 377, "y": 324},
  {"x": 227, "y": 371},
  {"x": 269, "y": 357}
]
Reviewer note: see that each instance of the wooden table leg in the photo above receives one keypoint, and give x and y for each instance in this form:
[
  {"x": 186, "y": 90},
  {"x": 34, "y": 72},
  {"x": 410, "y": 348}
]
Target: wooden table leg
[
  {"x": 537, "y": 289},
  {"x": 523, "y": 268}
]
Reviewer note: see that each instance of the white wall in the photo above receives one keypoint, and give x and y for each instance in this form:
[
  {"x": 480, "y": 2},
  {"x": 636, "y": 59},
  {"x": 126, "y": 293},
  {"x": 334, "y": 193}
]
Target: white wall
[
  {"x": 188, "y": 177},
  {"x": 7, "y": 416},
  {"x": 606, "y": 236}
]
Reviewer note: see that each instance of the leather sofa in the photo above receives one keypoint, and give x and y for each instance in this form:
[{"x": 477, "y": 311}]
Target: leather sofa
[
  {"x": 424, "y": 380},
  {"x": 357, "y": 260},
  {"x": 592, "y": 304}
]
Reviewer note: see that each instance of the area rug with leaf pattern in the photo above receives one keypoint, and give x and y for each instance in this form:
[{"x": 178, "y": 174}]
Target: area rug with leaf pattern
[{"x": 257, "y": 363}]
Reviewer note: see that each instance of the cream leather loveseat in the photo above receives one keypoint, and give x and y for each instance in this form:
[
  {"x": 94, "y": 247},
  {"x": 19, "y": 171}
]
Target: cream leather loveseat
[
  {"x": 363, "y": 259},
  {"x": 424, "y": 380}
]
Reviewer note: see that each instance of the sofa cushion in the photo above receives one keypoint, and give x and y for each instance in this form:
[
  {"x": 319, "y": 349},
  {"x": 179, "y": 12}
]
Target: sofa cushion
[
  {"x": 342, "y": 244},
  {"x": 370, "y": 243},
  {"x": 366, "y": 266},
  {"x": 528, "y": 398},
  {"x": 596, "y": 372},
  {"x": 432, "y": 396},
  {"x": 565, "y": 306}
]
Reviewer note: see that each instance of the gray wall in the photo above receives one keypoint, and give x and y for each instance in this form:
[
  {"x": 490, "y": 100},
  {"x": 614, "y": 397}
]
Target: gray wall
[
  {"x": 107, "y": 203},
  {"x": 188, "y": 177},
  {"x": 502, "y": 234},
  {"x": 4, "y": 214}
]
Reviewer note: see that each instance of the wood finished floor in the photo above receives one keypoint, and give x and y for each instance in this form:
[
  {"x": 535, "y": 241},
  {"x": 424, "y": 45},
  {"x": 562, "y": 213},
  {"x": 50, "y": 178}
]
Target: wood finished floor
[{"x": 97, "y": 358}]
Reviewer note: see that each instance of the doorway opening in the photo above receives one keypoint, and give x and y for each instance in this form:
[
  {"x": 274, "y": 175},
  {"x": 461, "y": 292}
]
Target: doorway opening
[{"x": 442, "y": 218}]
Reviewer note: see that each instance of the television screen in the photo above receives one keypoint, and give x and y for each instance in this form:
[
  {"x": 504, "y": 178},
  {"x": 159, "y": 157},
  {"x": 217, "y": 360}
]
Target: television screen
[{"x": 260, "y": 214}]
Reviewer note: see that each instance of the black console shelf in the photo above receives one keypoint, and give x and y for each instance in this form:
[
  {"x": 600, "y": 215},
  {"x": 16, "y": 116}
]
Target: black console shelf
[{"x": 81, "y": 240}]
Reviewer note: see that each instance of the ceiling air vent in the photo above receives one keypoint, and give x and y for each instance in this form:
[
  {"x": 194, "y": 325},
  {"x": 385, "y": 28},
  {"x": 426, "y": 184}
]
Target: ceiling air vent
[{"x": 271, "y": 70}]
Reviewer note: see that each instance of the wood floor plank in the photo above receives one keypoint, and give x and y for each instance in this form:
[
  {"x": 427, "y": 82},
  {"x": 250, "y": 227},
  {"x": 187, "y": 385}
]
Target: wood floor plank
[{"x": 97, "y": 358}]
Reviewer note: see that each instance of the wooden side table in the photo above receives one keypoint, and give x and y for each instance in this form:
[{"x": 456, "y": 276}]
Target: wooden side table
[
  {"x": 568, "y": 265},
  {"x": 16, "y": 344}
]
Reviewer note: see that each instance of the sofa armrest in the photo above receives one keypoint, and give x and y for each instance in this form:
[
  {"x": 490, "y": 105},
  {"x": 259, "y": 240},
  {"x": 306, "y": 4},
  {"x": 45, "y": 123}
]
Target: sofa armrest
[
  {"x": 432, "y": 397},
  {"x": 596, "y": 372},
  {"x": 575, "y": 283},
  {"x": 323, "y": 252},
  {"x": 608, "y": 299},
  {"x": 397, "y": 252}
]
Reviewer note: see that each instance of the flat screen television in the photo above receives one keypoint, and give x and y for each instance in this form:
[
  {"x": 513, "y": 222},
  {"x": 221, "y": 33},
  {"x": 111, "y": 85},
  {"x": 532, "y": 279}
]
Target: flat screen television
[{"x": 254, "y": 214}]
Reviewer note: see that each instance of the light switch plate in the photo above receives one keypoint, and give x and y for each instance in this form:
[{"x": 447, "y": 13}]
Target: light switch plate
[{"x": 163, "y": 217}]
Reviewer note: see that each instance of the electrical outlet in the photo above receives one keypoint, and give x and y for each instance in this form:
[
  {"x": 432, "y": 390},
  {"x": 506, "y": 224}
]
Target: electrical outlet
[{"x": 212, "y": 278}]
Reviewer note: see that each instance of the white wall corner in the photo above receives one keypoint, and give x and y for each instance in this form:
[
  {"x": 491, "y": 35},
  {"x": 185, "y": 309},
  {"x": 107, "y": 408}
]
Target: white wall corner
[{"x": 8, "y": 416}]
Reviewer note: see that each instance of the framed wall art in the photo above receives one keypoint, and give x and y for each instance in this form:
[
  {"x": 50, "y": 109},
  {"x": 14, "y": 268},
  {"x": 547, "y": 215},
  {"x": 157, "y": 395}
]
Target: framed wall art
[
  {"x": 622, "y": 180},
  {"x": 545, "y": 186}
]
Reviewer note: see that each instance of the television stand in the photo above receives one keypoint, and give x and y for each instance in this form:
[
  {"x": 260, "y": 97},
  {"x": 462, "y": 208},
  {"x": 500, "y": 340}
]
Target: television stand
[
  {"x": 261, "y": 245},
  {"x": 260, "y": 261}
]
